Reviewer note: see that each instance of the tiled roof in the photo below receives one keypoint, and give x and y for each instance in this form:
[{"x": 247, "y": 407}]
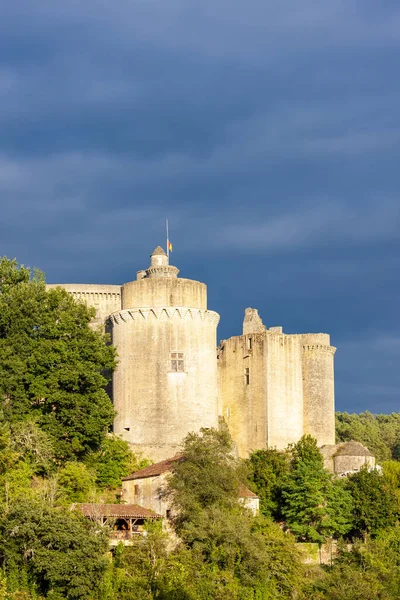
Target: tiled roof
[
  {"x": 130, "y": 511},
  {"x": 153, "y": 470},
  {"x": 353, "y": 448},
  {"x": 244, "y": 492}
]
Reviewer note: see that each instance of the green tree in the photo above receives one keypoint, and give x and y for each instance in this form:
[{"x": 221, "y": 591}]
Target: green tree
[
  {"x": 238, "y": 552},
  {"x": 53, "y": 366},
  {"x": 209, "y": 474},
  {"x": 269, "y": 469},
  {"x": 76, "y": 482},
  {"x": 54, "y": 551},
  {"x": 112, "y": 461},
  {"x": 380, "y": 433},
  {"x": 315, "y": 506},
  {"x": 375, "y": 504},
  {"x": 370, "y": 570}
]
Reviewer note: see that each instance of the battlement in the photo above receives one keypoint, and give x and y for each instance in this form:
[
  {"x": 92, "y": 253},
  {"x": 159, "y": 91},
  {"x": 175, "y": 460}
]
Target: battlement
[{"x": 166, "y": 314}]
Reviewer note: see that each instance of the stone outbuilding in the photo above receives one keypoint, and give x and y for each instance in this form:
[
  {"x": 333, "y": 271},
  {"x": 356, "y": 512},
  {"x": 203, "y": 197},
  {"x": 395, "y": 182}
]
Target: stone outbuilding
[
  {"x": 347, "y": 457},
  {"x": 147, "y": 487}
]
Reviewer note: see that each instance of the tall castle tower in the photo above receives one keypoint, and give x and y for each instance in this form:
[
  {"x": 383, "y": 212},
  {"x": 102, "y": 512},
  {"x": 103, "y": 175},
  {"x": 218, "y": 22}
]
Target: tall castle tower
[{"x": 165, "y": 384}]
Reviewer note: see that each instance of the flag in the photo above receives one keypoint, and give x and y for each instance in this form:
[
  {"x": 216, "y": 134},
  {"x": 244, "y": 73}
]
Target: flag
[{"x": 169, "y": 246}]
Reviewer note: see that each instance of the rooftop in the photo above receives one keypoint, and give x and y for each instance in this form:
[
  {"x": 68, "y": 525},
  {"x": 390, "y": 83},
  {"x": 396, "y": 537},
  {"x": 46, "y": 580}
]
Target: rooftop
[
  {"x": 158, "y": 251},
  {"x": 154, "y": 470},
  {"x": 353, "y": 448},
  {"x": 128, "y": 511}
]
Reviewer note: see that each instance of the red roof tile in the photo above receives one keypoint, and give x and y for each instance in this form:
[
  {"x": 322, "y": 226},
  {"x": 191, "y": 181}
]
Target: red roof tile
[
  {"x": 244, "y": 492},
  {"x": 154, "y": 470},
  {"x": 130, "y": 511}
]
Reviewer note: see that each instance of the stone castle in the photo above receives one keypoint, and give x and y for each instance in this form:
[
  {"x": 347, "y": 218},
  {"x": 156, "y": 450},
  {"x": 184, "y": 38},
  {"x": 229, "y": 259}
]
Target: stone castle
[{"x": 270, "y": 387}]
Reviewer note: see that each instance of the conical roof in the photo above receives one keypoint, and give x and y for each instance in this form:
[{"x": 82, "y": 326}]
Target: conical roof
[
  {"x": 158, "y": 251},
  {"x": 353, "y": 448}
]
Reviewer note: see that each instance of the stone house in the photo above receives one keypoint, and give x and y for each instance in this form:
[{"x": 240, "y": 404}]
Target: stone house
[
  {"x": 147, "y": 488},
  {"x": 347, "y": 457}
]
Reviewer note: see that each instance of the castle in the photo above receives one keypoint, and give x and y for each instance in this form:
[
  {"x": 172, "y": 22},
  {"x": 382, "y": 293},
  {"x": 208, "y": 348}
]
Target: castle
[{"x": 270, "y": 387}]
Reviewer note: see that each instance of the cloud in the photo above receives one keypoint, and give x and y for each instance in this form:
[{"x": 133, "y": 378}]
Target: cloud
[
  {"x": 268, "y": 136},
  {"x": 366, "y": 373}
]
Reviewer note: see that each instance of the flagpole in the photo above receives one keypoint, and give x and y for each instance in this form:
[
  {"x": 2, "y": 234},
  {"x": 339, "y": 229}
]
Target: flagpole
[{"x": 166, "y": 224}]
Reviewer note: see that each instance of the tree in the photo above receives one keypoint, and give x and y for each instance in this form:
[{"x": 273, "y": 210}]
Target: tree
[
  {"x": 315, "y": 507},
  {"x": 112, "y": 461},
  {"x": 76, "y": 482},
  {"x": 269, "y": 468},
  {"x": 370, "y": 570},
  {"x": 55, "y": 551},
  {"x": 53, "y": 366},
  {"x": 380, "y": 433},
  {"x": 209, "y": 474},
  {"x": 375, "y": 505},
  {"x": 238, "y": 553}
]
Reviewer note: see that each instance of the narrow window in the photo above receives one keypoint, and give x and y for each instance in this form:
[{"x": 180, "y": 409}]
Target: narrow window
[
  {"x": 177, "y": 362},
  {"x": 247, "y": 376},
  {"x": 136, "y": 490},
  {"x": 249, "y": 343}
]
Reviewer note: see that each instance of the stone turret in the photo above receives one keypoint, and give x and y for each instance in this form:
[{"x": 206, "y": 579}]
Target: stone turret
[{"x": 166, "y": 382}]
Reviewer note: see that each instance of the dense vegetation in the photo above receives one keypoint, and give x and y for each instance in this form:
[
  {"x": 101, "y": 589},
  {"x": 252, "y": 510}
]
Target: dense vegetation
[
  {"x": 56, "y": 449},
  {"x": 380, "y": 433}
]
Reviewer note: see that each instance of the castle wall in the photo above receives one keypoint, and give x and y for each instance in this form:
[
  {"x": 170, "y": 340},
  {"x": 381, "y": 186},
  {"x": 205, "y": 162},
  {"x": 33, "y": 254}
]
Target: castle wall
[
  {"x": 284, "y": 389},
  {"x": 318, "y": 387},
  {"x": 104, "y": 298},
  {"x": 243, "y": 393},
  {"x": 157, "y": 406}
]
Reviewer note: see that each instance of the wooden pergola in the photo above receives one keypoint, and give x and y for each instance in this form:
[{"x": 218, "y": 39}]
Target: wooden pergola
[{"x": 125, "y": 520}]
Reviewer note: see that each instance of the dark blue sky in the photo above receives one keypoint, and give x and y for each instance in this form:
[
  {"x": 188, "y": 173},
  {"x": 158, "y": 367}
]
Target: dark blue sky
[{"x": 267, "y": 132}]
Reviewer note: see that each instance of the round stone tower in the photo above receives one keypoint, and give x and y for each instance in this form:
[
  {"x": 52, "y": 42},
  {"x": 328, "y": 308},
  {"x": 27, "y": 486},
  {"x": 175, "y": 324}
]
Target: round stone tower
[
  {"x": 165, "y": 384},
  {"x": 318, "y": 387}
]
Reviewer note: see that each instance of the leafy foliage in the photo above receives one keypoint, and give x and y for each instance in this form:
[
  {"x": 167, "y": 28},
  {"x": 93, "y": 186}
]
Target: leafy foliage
[
  {"x": 220, "y": 532},
  {"x": 375, "y": 505},
  {"x": 380, "y": 433},
  {"x": 57, "y": 550},
  {"x": 269, "y": 469},
  {"x": 369, "y": 570},
  {"x": 52, "y": 364},
  {"x": 315, "y": 506},
  {"x": 112, "y": 461}
]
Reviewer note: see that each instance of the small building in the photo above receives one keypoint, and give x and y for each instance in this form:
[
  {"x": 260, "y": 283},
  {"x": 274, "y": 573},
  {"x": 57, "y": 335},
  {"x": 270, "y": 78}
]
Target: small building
[
  {"x": 147, "y": 487},
  {"x": 347, "y": 457},
  {"x": 125, "y": 520},
  {"x": 249, "y": 499}
]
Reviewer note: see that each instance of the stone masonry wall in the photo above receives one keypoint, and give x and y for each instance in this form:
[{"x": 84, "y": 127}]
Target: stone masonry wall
[
  {"x": 284, "y": 389},
  {"x": 242, "y": 393},
  {"x": 104, "y": 298}
]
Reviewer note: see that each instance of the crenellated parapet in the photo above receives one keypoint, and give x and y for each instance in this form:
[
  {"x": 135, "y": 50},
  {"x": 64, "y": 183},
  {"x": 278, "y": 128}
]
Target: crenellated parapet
[
  {"x": 165, "y": 314},
  {"x": 319, "y": 348}
]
